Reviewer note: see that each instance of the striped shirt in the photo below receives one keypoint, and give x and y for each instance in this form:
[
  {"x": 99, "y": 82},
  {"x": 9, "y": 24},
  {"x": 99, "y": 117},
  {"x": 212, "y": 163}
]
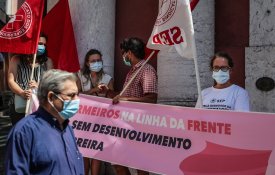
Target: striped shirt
[
  {"x": 24, "y": 70},
  {"x": 145, "y": 81}
]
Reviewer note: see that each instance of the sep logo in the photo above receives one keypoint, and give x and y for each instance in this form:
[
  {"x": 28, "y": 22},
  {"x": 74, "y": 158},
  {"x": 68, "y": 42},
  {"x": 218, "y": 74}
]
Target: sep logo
[
  {"x": 213, "y": 100},
  {"x": 19, "y": 24},
  {"x": 166, "y": 11},
  {"x": 217, "y": 100}
]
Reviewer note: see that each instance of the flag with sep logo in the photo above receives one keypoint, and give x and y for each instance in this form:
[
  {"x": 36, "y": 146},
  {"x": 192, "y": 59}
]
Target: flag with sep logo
[
  {"x": 174, "y": 27},
  {"x": 20, "y": 35}
]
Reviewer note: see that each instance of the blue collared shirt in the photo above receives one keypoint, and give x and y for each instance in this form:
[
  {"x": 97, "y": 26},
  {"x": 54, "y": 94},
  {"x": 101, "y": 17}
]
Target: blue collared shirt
[{"x": 37, "y": 145}]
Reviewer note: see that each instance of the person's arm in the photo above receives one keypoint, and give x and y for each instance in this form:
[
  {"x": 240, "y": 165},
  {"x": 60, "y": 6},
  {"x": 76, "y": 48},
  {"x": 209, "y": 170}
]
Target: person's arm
[
  {"x": 150, "y": 97},
  {"x": 92, "y": 91},
  {"x": 242, "y": 101},
  {"x": 17, "y": 160},
  {"x": 149, "y": 86},
  {"x": 12, "y": 73},
  {"x": 147, "y": 98},
  {"x": 108, "y": 90},
  {"x": 111, "y": 85}
]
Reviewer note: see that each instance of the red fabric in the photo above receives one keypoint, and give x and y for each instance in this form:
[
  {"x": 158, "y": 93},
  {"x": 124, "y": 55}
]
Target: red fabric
[
  {"x": 20, "y": 35},
  {"x": 193, "y": 4},
  {"x": 57, "y": 25},
  {"x": 148, "y": 51}
]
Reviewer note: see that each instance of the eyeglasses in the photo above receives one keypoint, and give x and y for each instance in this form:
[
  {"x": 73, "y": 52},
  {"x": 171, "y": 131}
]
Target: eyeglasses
[{"x": 223, "y": 68}]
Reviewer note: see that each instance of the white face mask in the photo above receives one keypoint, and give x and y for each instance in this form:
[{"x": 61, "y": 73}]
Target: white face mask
[
  {"x": 96, "y": 66},
  {"x": 221, "y": 77}
]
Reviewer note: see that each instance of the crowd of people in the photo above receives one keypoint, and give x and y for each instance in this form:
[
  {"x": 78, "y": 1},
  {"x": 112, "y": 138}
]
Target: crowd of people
[{"x": 44, "y": 142}]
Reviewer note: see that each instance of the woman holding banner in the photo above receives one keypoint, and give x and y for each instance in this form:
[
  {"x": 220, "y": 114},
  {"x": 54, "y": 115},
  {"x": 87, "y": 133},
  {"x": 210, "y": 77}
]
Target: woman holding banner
[
  {"x": 224, "y": 95},
  {"x": 19, "y": 73},
  {"x": 94, "y": 81}
]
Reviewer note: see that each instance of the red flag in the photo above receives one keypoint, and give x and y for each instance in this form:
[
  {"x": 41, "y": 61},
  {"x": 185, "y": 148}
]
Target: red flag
[
  {"x": 193, "y": 4},
  {"x": 61, "y": 47},
  {"x": 174, "y": 27},
  {"x": 20, "y": 35}
]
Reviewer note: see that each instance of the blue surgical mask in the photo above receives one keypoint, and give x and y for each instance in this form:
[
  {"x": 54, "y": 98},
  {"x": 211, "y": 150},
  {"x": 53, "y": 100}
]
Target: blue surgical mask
[
  {"x": 96, "y": 66},
  {"x": 221, "y": 77},
  {"x": 126, "y": 61},
  {"x": 70, "y": 107},
  {"x": 41, "y": 49}
]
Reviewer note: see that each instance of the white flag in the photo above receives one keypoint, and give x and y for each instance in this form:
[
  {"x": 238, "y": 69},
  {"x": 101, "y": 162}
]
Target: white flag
[
  {"x": 34, "y": 104},
  {"x": 173, "y": 28}
]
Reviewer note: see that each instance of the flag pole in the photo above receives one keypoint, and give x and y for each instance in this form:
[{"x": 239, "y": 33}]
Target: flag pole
[
  {"x": 197, "y": 72},
  {"x": 194, "y": 50},
  {"x": 31, "y": 77},
  {"x": 128, "y": 84}
]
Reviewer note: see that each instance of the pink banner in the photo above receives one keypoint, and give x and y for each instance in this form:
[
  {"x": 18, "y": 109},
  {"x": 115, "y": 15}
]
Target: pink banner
[{"x": 175, "y": 140}]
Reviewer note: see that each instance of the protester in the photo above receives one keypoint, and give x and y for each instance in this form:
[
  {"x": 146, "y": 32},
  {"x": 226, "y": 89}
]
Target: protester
[
  {"x": 44, "y": 142},
  {"x": 144, "y": 86},
  {"x": 224, "y": 95},
  {"x": 94, "y": 81},
  {"x": 19, "y": 73}
]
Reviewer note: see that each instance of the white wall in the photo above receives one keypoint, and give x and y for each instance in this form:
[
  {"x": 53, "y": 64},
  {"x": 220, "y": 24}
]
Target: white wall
[
  {"x": 177, "y": 79},
  {"x": 260, "y": 57},
  {"x": 94, "y": 27}
]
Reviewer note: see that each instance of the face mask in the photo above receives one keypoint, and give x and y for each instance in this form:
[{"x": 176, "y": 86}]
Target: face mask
[
  {"x": 221, "y": 77},
  {"x": 70, "y": 108},
  {"x": 126, "y": 61},
  {"x": 96, "y": 66},
  {"x": 41, "y": 49}
]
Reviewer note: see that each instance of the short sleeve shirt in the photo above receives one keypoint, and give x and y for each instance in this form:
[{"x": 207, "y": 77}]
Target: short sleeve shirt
[
  {"x": 145, "y": 82},
  {"x": 231, "y": 98}
]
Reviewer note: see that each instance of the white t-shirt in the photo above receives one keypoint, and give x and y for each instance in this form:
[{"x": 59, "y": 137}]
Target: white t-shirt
[
  {"x": 87, "y": 85},
  {"x": 231, "y": 98}
]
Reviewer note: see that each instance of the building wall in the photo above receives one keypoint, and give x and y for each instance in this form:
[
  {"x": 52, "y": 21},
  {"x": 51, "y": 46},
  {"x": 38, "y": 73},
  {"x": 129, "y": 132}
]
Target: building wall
[
  {"x": 232, "y": 34},
  {"x": 94, "y": 27},
  {"x": 177, "y": 78},
  {"x": 134, "y": 18},
  {"x": 242, "y": 29},
  {"x": 260, "y": 59},
  {"x": 175, "y": 85}
]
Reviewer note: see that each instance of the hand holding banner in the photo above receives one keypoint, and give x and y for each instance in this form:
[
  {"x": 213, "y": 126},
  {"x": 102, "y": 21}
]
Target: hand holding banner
[{"x": 175, "y": 140}]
